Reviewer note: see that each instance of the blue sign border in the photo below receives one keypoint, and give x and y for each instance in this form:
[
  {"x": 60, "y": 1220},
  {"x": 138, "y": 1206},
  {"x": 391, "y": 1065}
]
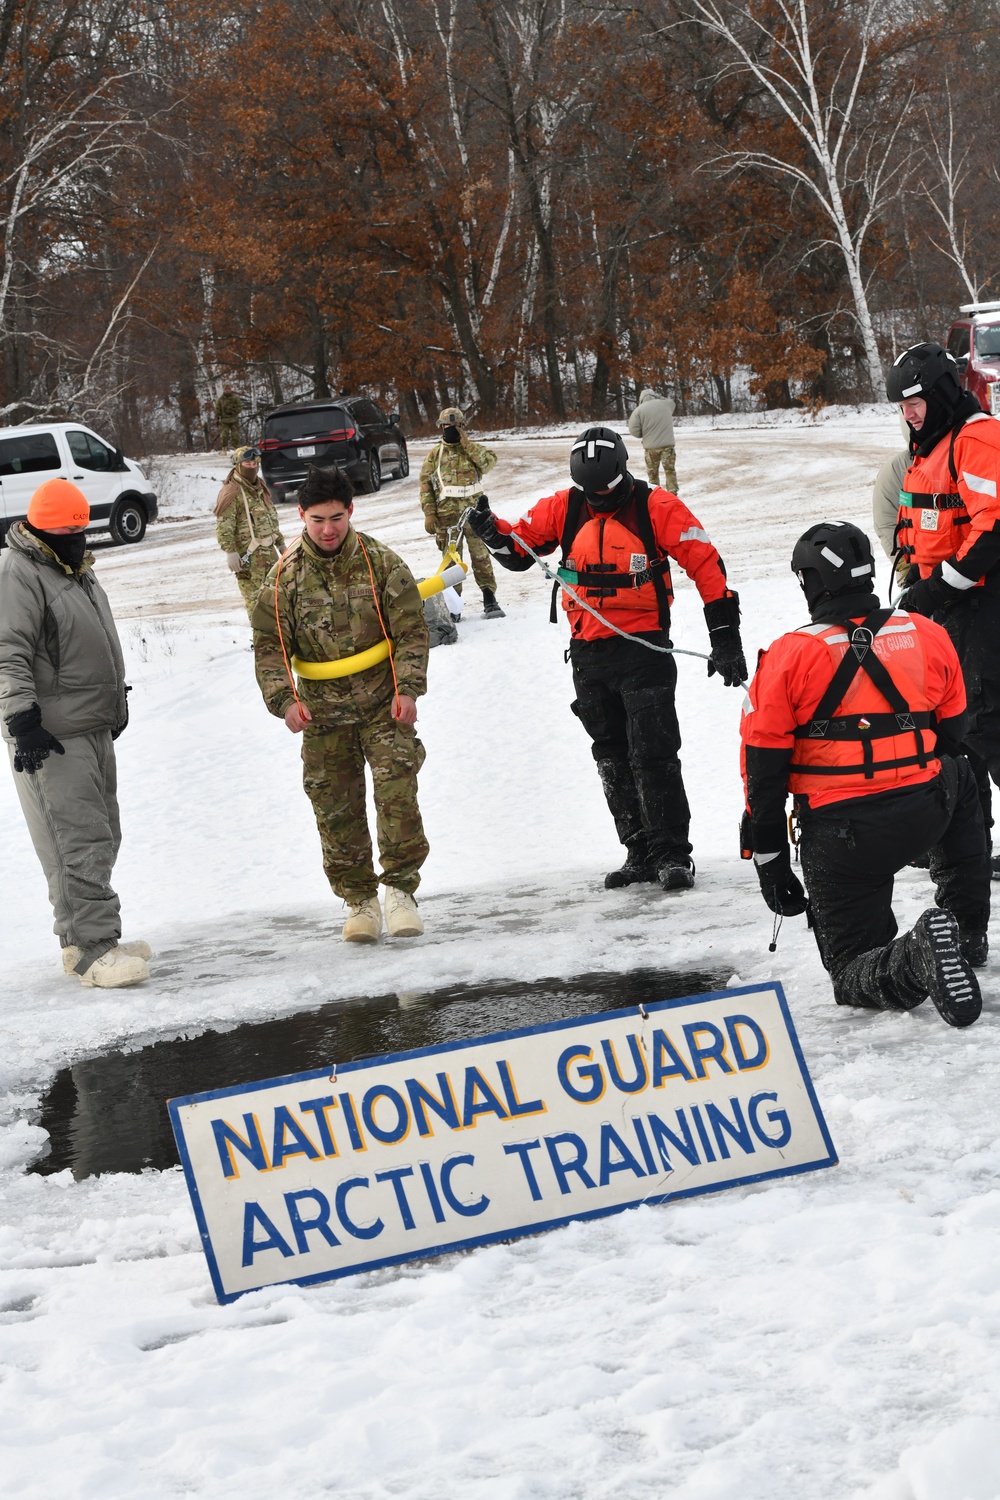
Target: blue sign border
[{"x": 475, "y": 1241}]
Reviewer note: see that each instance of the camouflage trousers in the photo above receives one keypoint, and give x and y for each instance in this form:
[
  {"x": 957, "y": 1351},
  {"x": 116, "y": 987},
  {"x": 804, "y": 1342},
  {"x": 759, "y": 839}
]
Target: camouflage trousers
[
  {"x": 333, "y": 774},
  {"x": 479, "y": 557},
  {"x": 251, "y": 578},
  {"x": 668, "y": 458},
  {"x": 229, "y": 434}
]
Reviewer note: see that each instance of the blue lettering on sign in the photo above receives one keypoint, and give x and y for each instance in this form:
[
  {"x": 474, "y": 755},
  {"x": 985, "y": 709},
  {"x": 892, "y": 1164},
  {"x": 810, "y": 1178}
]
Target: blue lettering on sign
[
  {"x": 623, "y": 1161},
  {"x": 301, "y": 1226},
  {"x": 252, "y": 1147},
  {"x": 760, "y": 1057},
  {"x": 318, "y": 1108},
  {"x": 421, "y": 1100},
  {"x": 479, "y": 1099},
  {"x": 713, "y": 1051},
  {"x": 774, "y": 1116},
  {"x": 664, "y": 1136},
  {"x": 736, "y": 1128},
  {"x": 665, "y": 1052},
  {"x": 253, "y": 1215},
  {"x": 531, "y": 1107},
  {"x": 285, "y": 1124},
  {"x": 634, "y": 1085},
  {"x": 395, "y": 1175},
  {"x": 522, "y": 1149},
  {"x": 575, "y": 1163},
  {"x": 359, "y": 1231},
  {"x": 585, "y": 1092},
  {"x": 397, "y": 1132},
  {"x": 469, "y": 1210}
]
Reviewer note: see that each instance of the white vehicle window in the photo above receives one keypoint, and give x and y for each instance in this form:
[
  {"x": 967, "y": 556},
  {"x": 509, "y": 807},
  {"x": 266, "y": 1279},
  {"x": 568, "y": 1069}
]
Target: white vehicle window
[
  {"x": 90, "y": 453},
  {"x": 29, "y": 455}
]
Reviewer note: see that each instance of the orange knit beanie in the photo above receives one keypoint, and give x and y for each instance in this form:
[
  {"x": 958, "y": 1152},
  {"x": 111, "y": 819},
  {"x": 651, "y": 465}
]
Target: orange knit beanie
[{"x": 58, "y": 503}]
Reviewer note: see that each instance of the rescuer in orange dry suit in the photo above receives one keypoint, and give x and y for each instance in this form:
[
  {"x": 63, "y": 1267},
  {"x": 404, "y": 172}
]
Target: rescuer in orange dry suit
[
  {"x": 617, "y": 536},
  {"x": 949, "y": 528},
  {"x": 859, "y": 715}
]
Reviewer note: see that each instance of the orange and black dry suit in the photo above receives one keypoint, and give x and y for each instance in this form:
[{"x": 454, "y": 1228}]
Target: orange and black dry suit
[
  {"x": 855, "y": 719},
  {"x": 620, "y": 563},
  {"x": 949, "y": 526}
]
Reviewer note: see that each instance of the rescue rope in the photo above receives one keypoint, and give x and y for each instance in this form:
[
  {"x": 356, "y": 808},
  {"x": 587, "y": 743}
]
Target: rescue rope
[
  {"x": 378, "y": 611},
  {"x": 553, "y": 577},
  {"x": 346, "y": 666}
]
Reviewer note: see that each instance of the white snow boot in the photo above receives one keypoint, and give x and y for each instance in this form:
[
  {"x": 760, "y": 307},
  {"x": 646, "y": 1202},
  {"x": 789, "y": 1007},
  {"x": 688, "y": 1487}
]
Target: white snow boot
[
  {"x": 364, "y": 921},
  {"x": 114, "y": 970},
  {"x": 401, "y": 916},
  {"x": 71, "y": 956}
]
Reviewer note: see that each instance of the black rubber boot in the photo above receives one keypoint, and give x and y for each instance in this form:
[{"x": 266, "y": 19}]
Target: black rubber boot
[
  {"x": 636, "y": 870},
  {"x": 936, "y": 960},
  {"x": 975, "y": 947},
  {"x": 676, "y": 874},
  {"x": 491, "y": 608}
]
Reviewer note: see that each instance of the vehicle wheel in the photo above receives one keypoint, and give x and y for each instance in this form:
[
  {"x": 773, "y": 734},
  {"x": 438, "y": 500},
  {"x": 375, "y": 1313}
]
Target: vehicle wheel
[
  {"x": 373, "y": 483},
  {"x": 128, "y": 522},
  {"x": 403, "y": 467}
]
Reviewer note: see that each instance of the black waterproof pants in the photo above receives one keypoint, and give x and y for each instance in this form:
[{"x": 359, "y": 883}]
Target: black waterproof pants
[
  {"x": 850, "y": 853},
  {"x": 974, "y": 626},
  {"x": 625, "y": 702}
]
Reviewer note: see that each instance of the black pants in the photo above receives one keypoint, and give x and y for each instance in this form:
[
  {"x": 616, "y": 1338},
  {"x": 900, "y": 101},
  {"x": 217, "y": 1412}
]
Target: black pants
[
  {"x": 625, "y": 702},
  {"x": 852, "y": 850},
  {"x": 974, "y": 626}
]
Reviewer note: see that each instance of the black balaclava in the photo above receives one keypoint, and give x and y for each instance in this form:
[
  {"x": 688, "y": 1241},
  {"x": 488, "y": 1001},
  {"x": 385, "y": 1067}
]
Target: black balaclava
[
  {"x": 68, "y": 546},
  {"x": 826, "y": 608},
  {"x": 947, "y": 406},
  {"x": 451, "y": 433}
]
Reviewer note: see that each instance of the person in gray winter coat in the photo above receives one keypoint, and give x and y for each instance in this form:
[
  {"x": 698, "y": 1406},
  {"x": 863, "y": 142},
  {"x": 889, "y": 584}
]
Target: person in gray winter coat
[
  {"x": 62, "y": 702},
  {"x": 653, "y": 422}
]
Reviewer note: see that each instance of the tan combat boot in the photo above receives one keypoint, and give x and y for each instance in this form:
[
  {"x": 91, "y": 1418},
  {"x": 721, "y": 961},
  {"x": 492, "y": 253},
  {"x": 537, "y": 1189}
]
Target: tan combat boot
[
  {"x": 71, "y": 955},
  {"x": 401, "y": 916},
  {"x": 115, "y": 969},
  {"x": 364, "y": 921}
]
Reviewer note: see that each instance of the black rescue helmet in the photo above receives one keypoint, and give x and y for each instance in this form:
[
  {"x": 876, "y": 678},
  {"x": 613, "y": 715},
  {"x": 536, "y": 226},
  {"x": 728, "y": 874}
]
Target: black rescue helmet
[
  {"x": 839, "y": 556},
  {"x": 919, "y": 371},
  {"x": 599, "y": 466}
]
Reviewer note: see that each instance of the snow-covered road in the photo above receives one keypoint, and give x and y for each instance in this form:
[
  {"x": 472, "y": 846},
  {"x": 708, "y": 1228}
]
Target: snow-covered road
[{"x": 815, "y": 1339}]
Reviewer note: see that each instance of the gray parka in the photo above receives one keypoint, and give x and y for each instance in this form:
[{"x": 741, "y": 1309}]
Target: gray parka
[
  {"x": 58, "y": 644},
  {"x": 653, "y": 420}
]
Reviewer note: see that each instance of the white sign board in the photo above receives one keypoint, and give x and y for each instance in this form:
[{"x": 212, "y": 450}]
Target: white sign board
[{"x": 372, "y": 1163}]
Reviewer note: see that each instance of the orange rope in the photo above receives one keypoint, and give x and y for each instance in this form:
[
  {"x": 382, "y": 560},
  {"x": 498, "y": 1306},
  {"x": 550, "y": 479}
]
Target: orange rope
[
  {"x": 277, "y": 621},
  {"x": 378, "y": 611}
]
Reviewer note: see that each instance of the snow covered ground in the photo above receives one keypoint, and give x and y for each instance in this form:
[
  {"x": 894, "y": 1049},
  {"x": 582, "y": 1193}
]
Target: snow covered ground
[{"x": 825, "y": 1337}]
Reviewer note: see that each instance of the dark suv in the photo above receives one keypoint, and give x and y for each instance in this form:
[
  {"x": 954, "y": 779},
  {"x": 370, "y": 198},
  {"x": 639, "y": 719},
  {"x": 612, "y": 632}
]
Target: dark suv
[{"x": 350, "y": 431}]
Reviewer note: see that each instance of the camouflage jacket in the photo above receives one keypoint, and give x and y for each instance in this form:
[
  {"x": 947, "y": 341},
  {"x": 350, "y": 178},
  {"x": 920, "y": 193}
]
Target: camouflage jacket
[
  {"x": 228, "y": 408},
  {"x": 462, "y": 463},
  {"x": 231, "y": 525},
  {"x": 327, "y": 612}
]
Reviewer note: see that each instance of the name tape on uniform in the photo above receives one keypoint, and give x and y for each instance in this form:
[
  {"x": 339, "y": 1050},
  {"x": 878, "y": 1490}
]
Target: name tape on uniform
[{"x": 327, "y": 1173}]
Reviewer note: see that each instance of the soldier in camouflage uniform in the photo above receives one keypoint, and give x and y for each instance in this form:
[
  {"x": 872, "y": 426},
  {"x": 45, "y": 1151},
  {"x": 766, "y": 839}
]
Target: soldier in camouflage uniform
[
  {"x": 227, "y": 417},
  {"x": 246, "y": 525},
  {"x": 327, "y": 612},
  {"x": 449, "y": 484}
]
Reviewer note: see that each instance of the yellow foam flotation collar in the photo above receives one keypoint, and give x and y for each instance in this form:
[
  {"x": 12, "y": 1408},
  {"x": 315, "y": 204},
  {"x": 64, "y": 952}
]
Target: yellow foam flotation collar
[{"x": 346, "y": 666}]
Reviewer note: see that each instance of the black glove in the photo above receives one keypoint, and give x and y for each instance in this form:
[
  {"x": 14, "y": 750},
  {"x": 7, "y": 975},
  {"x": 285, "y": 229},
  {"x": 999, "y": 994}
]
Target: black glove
[
  {"x": 722, "y": 617},
  {"x": 483, "y": 523},
  {"x": 780, "y": 888},
  {"x": 32, "y": 743},
  {"x": 928, "y": 595}
]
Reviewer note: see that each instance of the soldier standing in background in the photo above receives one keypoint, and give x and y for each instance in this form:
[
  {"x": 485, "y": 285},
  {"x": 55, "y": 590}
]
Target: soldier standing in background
[
  {"x": 450, "y": 482},
  {"x": 338, "y": 593},
  {"x": 653, "y": 423},
  {"x": 247, "y": 526},
  {"x": 227, "y": 417}
]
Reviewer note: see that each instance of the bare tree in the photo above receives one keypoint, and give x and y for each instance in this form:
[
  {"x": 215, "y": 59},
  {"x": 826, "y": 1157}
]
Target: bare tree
[
  {"x": 850, "y": 164},
  {"x": 952, "y": 175}
]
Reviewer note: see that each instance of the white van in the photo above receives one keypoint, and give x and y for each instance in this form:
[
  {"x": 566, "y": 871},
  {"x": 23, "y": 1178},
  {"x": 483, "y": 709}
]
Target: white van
[{"x": 120, "y": 498}]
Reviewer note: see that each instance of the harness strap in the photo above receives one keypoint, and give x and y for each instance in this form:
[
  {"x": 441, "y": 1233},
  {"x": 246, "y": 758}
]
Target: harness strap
[
  {"x": 860, "y": 657},
  {"x": 571, "y": 525},
  {"x": 599, "y": 579},
  {"x": 925, "y": 500},
  {"x": 641, "y": 493}
]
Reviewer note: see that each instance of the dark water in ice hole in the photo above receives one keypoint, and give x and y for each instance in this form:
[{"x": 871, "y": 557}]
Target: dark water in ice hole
[{"x": 108, "y": 1113}]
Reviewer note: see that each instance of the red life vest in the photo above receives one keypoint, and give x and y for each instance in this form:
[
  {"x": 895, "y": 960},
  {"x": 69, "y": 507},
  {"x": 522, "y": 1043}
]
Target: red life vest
[
  {"x": 933, "y": 519},
  {"x": 874, "y": 723},
  {"x": 616, "y": 568}
]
